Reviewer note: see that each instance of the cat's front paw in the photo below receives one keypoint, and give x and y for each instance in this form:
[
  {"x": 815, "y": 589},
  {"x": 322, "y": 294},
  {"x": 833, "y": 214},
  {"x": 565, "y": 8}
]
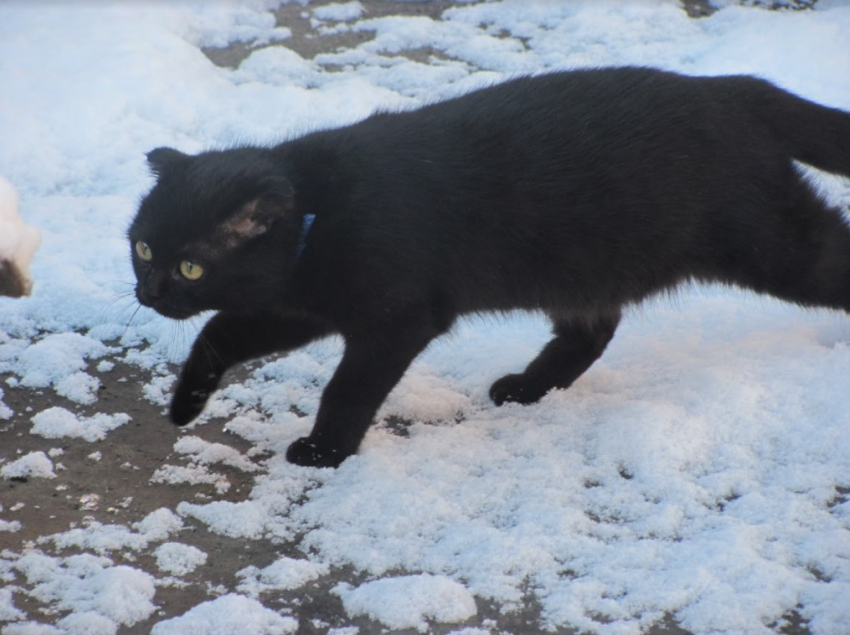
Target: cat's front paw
[
  {"x": 306, "y": 452},
  {"x": 190, "y": 399},
  {"x": 185, "y": 407},
  {"x": 515, "y": 388},
  {"x": 191, "y": 394}
]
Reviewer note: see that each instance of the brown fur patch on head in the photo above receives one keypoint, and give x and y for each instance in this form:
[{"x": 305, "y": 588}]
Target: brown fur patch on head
[
  {"x": 246, "y": 222},
  {"x": 12, "y": 283},
  {"x": 252, "y": 219}
]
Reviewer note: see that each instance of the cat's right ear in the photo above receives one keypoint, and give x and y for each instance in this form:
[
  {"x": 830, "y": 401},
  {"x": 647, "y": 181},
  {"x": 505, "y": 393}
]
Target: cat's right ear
[
  {"x": 260, "y": 214},
  {"x": 161, "y": 159}
]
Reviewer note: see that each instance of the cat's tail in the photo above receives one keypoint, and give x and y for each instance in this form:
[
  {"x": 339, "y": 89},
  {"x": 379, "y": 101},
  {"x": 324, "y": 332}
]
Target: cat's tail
[{"x": 814, "y": 134}]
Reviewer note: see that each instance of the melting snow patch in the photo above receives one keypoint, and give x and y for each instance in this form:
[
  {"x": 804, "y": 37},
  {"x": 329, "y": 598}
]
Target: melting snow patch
[
  {"x": 78, "y": 387},
  {"x": 8, "y": 611},
  {"x": 87, "y": 623},
  {"x": 32, "y": 465},
  {"x": 178, "y": 559},
  {"x": 10, "y": 526},
  {"x": 159, "y": 524},
  {"x": 86, "y": 583},
  {"x": 284, "y": 573},
  {"x": 57, "y": 422},
  {"x": 156, "y": 526},
  {"x": 207, "y": 453},
  {"x": 192, "y": 474},
  {"x": 339, "y": 12},
  {"x": 158, "y": 390},
  {"x": 5, "y": 411},
  {"x": 409, "y": 601},
  {"x": 227, "y": 615},
  {"x": 105, "y": 366},
  {"x": 59, "y": 360},
  {"x": 245, "y": 519}
]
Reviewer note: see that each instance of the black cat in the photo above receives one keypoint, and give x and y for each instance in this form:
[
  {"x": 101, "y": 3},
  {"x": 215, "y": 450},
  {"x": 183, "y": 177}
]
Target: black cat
[{"x": 572, "y": 193}]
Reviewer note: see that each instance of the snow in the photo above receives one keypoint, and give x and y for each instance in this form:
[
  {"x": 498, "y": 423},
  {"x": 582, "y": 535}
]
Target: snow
[
  {"x": 87, "y": 623},
  {"x": 10, "y": 526},
  {"x": 178, "y": 559},
  {"x": 340, "y": 12},
  {"x": 194, "y": 474},
  {"x": 228, "y": 614},
  {"x": 206, "y": 453},
  {"x": 5, "y": 411},
  {"x": 696, "y": 471},
  {"x": 34, "y": 464},
  {"x": 284, "y": 573},
  {"x": 8, "y": 612},
  {"x": 57, "y": 360},
  {"x": 103, "y": 538},
  {"x": 409, "y": 601},
  {"x": 245, "y": 519},
  {"x": 57, "y": 422},
  {"x": 86, "y": 583}
]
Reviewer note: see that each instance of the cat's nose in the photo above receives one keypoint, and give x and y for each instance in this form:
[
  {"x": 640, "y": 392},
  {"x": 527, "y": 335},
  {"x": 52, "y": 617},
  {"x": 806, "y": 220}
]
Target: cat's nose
[
  {"x": 149, "y": 291},
  {"x": 144, "y": 297}
]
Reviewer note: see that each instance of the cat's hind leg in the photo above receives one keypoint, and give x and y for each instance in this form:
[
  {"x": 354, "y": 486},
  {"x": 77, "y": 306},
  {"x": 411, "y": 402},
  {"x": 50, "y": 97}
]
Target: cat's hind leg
[
  {"x": 805, "y": 256},
  {"x": 824, "y": 279},
  {"x": 576, "y": 345}
]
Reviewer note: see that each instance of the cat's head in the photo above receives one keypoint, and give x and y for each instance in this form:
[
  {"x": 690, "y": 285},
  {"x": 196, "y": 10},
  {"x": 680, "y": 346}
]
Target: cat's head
[{"x": 217, "y": 231}]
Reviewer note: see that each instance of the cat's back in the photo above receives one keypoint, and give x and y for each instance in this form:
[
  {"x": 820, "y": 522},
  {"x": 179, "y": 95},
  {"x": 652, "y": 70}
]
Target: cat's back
[
  {"x": 529, "y": 129},
  {"x": 538, "y": 103}
]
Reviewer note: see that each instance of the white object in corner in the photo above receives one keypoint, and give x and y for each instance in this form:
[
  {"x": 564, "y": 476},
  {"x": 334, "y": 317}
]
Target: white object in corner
[{"x": 18, "y": 244}]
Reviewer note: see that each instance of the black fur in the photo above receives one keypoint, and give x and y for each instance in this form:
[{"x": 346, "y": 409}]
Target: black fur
[{"x": 574, "y": 194}]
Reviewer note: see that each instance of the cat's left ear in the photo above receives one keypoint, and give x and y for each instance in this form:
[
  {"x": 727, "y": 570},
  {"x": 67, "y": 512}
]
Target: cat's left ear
[
  {"x": 160, "y": 159},
  {"x": 260, "y": 214}
]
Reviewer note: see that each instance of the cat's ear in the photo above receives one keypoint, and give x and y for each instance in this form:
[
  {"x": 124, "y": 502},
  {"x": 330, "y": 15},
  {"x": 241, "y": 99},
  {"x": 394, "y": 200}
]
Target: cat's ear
[
  {"x": 160, "y": 159},
  {"x": 260, "y": 214}
]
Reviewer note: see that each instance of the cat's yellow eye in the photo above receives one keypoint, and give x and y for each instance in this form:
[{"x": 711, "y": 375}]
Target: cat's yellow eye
[
  {"x": 143, "y": 251},
  {"x": 190, "y": 270}
]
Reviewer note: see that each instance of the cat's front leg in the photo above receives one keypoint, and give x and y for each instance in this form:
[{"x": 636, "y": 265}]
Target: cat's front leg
[
  {"x": 371, "y": 366},
  {"x": 226, "y": 340}
]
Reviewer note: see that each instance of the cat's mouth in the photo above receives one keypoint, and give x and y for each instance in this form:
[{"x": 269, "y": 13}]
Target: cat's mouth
[
  {"x": 175, "y": 314},
  {"x": 167, "y": 310}
]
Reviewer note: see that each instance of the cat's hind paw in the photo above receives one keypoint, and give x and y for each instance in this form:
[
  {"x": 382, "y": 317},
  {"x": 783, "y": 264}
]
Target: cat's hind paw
[{"x": 306, "y": 452}]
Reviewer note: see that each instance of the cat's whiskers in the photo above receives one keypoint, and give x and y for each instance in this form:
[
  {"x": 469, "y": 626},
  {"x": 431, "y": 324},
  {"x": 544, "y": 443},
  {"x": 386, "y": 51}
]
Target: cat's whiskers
[
  {"x": 209, "y": 351},
  {"x": 130, "y": 321},
  {"x": 118, "y": 306},
  {"x": 184, "y": 331},
  {"x": 178, "y": 339}
]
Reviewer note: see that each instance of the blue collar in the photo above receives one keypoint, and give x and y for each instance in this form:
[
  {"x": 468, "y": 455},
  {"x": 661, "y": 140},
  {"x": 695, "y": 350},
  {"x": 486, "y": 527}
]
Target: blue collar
[{"x": 306, "y": 224}]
